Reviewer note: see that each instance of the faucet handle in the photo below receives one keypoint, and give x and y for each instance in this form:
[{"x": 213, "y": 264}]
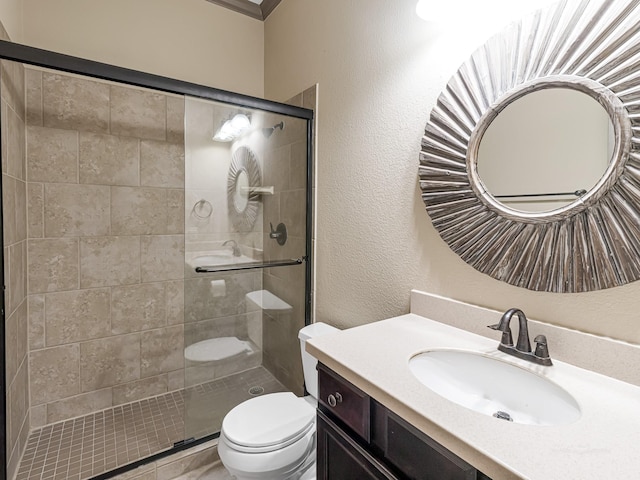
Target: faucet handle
[{"x": 542, "y": 349}]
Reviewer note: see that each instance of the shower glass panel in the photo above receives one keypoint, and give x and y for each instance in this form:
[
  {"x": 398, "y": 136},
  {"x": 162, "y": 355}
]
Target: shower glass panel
[
  {"x": 154, "y": 277},
  {"x": 245, "y": 245},
  {"x": 105, "y": 268}
]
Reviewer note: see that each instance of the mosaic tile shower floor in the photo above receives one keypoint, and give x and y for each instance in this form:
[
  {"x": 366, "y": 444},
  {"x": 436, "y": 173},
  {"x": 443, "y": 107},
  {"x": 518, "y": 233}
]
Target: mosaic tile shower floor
[{"x": 84, "y": 447}]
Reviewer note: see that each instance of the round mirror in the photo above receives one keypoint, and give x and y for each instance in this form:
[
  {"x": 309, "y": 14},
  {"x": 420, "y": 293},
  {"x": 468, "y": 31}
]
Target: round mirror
[
  {"x": 545, "y": 150},
  {"x": 590, "y": 242},
  {"x": 241, "y": 197},
  {"x": 243, "y": 204}
]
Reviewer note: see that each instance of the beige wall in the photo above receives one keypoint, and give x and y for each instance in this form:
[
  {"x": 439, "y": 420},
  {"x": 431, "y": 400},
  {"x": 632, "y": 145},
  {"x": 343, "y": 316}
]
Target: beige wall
[
  {"x": 380, "y": 71},
  {"x": 190, "y": 40},
  {"x": 11, "y": 15}
]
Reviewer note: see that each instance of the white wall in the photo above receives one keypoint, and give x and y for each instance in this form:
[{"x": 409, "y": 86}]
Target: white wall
[
  {"x": 380, "y": 70},
  {"x": 192, "y": 40}
]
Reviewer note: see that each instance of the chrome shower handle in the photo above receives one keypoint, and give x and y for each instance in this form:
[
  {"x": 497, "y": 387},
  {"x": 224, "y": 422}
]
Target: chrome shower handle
[{"x": 279, "y": 234}]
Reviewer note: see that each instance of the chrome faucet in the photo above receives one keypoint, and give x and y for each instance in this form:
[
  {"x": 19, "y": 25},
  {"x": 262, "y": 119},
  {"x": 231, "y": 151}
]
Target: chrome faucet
[
  {"x": 234, "y": 246},
  {"x": 523, "y": 345}
]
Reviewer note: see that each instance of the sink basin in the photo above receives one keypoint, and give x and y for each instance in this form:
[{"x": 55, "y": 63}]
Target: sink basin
[
  {"x": 494, "y": 387},
  {"x": 219, "y": 257}
]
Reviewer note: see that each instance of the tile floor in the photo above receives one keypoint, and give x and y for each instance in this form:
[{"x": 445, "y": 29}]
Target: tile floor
[
  {"x": 87, "y": 446},
  {"x": 197, "y": 463}
]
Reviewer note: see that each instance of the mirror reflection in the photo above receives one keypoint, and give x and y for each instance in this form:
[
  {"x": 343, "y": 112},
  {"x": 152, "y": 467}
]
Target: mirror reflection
[
  {"x": 241, "y": 197},
  {"x": 546, "y": 149}
]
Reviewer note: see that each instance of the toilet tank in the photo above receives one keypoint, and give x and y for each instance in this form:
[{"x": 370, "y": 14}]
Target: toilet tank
[{"x": 308, "y": 362}]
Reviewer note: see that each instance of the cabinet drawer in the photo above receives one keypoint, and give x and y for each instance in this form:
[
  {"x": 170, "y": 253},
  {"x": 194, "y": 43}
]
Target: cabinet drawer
[{"x": 347, "y": 403}]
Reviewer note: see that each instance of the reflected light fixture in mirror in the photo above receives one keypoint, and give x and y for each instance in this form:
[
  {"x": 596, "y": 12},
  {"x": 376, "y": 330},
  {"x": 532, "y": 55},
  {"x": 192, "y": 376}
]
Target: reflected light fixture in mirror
[
  {"x": 241, "y": 197},
  {"x": 568, "y": 138},
  {"x": 233, "y": 128}
]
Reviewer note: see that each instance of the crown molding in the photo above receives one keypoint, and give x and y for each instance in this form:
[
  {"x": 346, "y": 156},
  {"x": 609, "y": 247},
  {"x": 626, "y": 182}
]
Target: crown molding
[{"x": 260, "y": 12}]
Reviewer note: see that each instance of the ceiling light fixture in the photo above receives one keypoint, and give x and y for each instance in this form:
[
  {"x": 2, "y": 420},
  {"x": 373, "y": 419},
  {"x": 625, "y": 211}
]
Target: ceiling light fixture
[
  {"x": 422, "y": 9},
  {"x": 439, "y": 11},
  {"x": 233, "y": 128}
]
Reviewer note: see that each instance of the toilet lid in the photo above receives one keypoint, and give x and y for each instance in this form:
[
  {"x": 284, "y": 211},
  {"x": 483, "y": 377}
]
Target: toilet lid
[{"x": 271, "y": 420}]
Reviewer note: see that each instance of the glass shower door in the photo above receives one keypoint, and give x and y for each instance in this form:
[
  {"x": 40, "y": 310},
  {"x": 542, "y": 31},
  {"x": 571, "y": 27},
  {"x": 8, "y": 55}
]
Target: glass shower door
[{"x": 245, "y": 257}]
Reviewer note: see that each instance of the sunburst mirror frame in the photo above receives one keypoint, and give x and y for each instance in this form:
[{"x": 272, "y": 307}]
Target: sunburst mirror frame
[
  {"x": 593, "y": 243},
  {"x": 243, "y": 160}
]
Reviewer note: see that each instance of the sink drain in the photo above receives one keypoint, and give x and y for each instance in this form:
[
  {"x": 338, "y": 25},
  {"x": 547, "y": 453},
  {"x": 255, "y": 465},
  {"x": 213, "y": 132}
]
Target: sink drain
[
  {"x": 503, "y": 416},
  {"x": 256, "y": 390}
]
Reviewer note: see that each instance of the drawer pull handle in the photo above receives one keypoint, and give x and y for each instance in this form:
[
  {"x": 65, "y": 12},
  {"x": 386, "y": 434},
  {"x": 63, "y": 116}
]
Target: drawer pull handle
[{"x": 333, "y": 400}]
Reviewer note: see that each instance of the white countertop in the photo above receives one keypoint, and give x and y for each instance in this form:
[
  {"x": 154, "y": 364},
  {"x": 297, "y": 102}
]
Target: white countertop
[{"x": 602, "y": 444}]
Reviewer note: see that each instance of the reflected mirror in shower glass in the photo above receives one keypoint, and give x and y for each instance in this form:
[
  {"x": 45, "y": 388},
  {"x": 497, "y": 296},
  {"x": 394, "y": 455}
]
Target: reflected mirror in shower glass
[
  {"x": 545, "y": 150},
  {"x": 241, "y": 197}
]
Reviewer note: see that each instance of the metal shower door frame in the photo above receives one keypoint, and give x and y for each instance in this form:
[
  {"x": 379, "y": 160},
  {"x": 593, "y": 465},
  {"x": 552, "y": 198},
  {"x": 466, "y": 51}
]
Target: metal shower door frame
[{"x": 47, "y": 59}]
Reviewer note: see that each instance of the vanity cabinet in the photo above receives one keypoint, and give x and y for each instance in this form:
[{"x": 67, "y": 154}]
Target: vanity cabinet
[{"x": 358, "y": 438}]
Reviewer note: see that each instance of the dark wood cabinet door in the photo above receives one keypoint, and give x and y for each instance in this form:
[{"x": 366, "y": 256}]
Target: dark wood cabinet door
[
  {"x": 341, "y": 458},
  {"x": 419, "y": 457}
]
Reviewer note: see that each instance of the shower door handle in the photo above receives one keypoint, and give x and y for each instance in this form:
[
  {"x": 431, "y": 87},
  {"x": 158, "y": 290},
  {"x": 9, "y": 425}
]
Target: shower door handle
[{"x": 250, "y": 266}]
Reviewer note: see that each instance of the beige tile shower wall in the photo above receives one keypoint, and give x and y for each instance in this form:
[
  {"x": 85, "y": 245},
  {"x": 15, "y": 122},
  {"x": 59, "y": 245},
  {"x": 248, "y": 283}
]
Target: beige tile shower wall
[
  {"x": 105, "y": 171},
  {"x": 14, "y": 212},
  {"x": 285, "y": 168}
]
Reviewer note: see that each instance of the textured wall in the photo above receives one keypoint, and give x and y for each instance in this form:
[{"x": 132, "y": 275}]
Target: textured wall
[
  {"x": 105, "y": 170},
  {"x": 14, "y": 201},
  {"x": 380, "y": 70},
  {"x": 191, "y": 40}
]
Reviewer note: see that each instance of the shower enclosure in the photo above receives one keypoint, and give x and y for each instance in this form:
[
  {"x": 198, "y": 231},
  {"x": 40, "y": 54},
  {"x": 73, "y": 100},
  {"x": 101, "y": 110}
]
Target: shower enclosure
[{"x": 157, "y": 243}]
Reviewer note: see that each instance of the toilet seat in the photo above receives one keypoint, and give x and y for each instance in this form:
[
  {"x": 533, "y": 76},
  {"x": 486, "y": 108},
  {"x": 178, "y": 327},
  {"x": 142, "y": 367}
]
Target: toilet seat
[{"x": 268, "y": 423}]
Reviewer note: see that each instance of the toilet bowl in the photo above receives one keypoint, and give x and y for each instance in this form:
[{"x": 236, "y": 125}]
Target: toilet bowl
[{"x": 273, "y": 437}]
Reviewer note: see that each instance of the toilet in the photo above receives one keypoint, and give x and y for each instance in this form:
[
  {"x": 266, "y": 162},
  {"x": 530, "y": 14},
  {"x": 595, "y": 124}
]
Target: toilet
[{"x": 273, "y": 437}]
